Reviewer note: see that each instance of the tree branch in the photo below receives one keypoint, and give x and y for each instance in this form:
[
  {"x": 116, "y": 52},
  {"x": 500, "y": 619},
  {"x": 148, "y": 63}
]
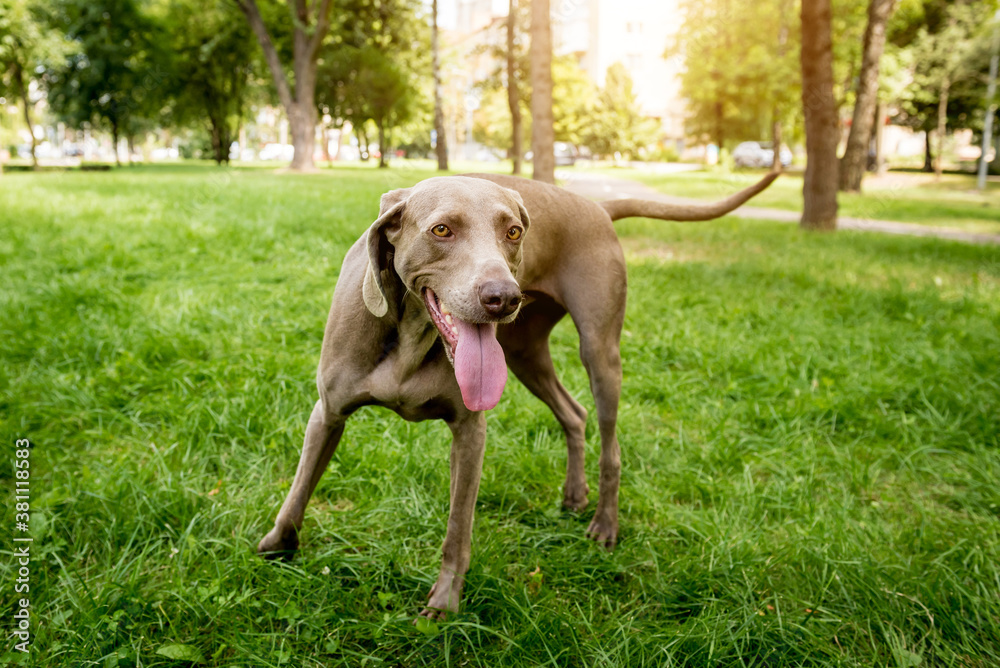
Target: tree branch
[
  {"x": 322, "y": 27},
  {"x": 252, "y": 12}
]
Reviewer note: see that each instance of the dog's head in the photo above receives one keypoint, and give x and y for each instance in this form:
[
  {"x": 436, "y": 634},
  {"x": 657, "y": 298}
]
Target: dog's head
[{"x": 456, "y": 242}]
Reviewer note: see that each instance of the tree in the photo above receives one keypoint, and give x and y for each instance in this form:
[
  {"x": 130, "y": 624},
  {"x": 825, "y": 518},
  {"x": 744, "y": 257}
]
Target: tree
[
  {"x": 511, "y": 77},
  {"x": 441, "y": 142},
  {"x": 615, "y": 124},
  {"x": 26, "y": 44},
  {"x": 943, "y": 40},
  {"x": 371, "y": 71},
  {"x": 820, "y": 182},
  {"x": 386, "y": 89},
  {"x": 513, "y": 96},
  {"x": 116, "y": 75},
  {"x": 573, "y": 96},
  {"x": 855, "y": 159},
  {"x": 542, "y": 131},
  {"x": 943, "y": 55},
  {"x": 782, "y": 100},
  {"x": 729, "y": 98},
  {"x": 310, "y": 25},
  {"x": 213, "y": 70},
  {"x": 573, "y": 100}
]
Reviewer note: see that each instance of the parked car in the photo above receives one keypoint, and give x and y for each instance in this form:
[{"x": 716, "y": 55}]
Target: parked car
[
  {"x": 759, "y": 154},
  {"x": 276, "y": 152},
  {"x": 565, "y": 154}
]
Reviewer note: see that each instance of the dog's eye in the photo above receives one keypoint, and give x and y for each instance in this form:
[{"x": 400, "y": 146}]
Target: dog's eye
[
  {"x": 441, "y": 231},
  {"x": 514, "y": 233}
]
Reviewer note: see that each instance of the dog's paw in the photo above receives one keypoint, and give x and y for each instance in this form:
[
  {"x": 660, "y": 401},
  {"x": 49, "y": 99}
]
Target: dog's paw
[
  {"x": 603, "y": 531},
  {"x": 575, "y": 499},
  {"x": 441, "y": 600},
  {"x": 279, "y": 544},
  {"x": 433, "y": 614}
]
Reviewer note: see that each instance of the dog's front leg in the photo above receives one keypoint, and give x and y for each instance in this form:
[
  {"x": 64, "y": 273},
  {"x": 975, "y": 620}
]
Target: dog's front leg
[
  {"x": 467, "y": 446},
  {"x": 322, "y": 435}
]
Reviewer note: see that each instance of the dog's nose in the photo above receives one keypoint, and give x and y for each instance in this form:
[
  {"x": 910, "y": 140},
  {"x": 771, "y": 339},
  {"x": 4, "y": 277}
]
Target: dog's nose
[{"x": 499, "y": 298}]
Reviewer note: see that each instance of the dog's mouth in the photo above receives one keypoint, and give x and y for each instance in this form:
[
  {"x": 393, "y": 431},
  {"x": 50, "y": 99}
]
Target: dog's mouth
[{"x": 480, "y": 367}]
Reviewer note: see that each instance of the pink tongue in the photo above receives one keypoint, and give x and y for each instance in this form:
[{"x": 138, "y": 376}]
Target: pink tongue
[{"x": 480, "y": 367}]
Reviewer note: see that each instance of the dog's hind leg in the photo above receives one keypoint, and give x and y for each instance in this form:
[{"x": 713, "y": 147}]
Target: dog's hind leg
[
  {"x": 598, "y": 309},
  {"x": 526, "y": 343},
  {"x": 322, "y": 436},
  {"x": 603, "y": 362}
]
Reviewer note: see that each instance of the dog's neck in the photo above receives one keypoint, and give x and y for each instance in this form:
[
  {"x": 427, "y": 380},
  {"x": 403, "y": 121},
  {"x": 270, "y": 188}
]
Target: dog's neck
[{"x": 417, "y": 335}]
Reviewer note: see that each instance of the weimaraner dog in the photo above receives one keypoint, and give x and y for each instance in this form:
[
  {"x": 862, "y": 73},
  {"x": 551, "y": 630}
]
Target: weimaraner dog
[{"x": 459, "y": 278}]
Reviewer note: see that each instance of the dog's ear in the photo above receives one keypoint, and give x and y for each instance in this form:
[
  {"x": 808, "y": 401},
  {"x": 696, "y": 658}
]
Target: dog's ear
[
  {"x": 520, "y": 205},
  {"x": 380, "y": 250}
]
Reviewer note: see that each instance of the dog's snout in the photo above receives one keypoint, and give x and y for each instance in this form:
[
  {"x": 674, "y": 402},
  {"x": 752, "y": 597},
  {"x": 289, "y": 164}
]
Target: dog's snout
[{"x": 499, "y": 298}]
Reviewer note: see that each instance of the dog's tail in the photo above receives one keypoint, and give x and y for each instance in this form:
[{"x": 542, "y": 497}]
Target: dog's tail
[{"x": 645, "y": 208}]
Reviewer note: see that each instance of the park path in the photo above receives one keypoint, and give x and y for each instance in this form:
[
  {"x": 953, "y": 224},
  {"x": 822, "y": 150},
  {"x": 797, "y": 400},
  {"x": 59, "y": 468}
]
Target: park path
[{"x": 601, "y": 187}]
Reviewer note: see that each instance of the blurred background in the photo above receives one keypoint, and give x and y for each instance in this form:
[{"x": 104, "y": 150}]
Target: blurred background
[{"x": 120, "y": 81}]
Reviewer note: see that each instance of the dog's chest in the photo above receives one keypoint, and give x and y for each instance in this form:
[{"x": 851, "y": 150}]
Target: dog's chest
[{"x": 414, "y": 378}]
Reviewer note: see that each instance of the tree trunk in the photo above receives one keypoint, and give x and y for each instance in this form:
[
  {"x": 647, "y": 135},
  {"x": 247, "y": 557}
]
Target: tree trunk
[
  {"x": 542, "y": 129},
  {"x": 221, "y": 140},
  {"x": 363, "y": 140},
  {"x": 129, "y": 147},
  {"x": 324, "y": 133},
  {"x": 776, "y": 142},
  {"x": 381, "y": 144},
  {"x": 994, "y": 167},
  {"x": 775, "y": 111},
  {"x": 819, "y": 188},
  {"x": 852, "y": 165},
  {"x": 310, "y": 26},
  {"x": 928, "y": 157},
  {"x": 942, "y": 127},
  {"x": 879, "y": 137},
  {"x": 720, "y": 137},
  {"x": 23, "y": 91},
  {"x": 216, "y": 140},
  {"x": 114, "y": 138},
  {"x": 513, "y": 98},
  {"x": 302, "y": 123},
  {"x": 440, "y": 141}
]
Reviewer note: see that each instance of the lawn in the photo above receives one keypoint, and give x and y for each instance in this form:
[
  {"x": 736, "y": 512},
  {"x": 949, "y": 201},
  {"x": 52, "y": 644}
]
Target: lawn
[
  {"x": 809, "y": 429},
  {"x": 907, "y": 197}
]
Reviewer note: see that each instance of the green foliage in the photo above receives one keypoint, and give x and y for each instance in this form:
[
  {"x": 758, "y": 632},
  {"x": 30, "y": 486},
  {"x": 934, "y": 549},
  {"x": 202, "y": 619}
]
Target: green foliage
[
  {"x": 27, "y": 42},
  {"x": 615, "y": 124},
  {"x": 809, "y": 428},
  {"x": 27, "y": 45},
  {"x": 117, "y": 77},
  {"x": 949, "y": 43},
  {"x": 605, "y": 120},
  {"x": 491, "y": 121},
  {"x": 213, "y": 70},
  {"x": 573, "y": 95},
  {"x": 741, "y": 68},
  {"x": 849, "y": 20},
  {"x": 374, "y": 67}
]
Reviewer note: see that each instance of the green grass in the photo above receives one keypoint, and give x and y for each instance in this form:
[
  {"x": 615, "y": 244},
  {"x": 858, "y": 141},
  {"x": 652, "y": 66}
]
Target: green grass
[
  {"x": 907, "y": 197},
  {"x": 809, "y": 427}
]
